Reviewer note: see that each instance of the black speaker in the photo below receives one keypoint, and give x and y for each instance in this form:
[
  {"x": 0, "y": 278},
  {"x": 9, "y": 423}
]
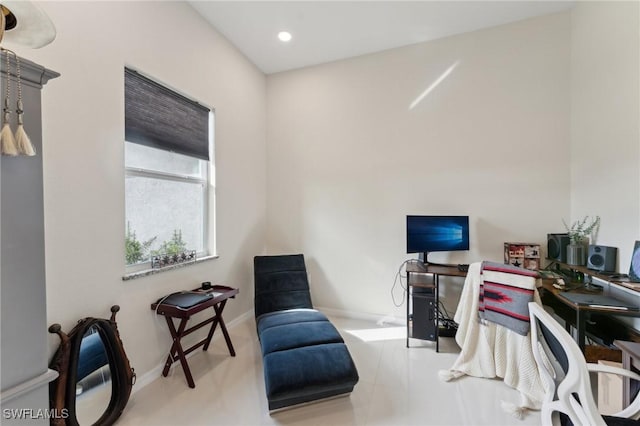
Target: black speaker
[
  {"x": 557, "y": 247},
  {"x": 602, "y": 258}
]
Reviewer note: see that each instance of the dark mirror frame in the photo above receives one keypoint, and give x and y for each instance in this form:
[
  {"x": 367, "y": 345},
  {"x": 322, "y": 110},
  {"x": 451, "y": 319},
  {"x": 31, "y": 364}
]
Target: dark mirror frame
[{"x": 62, "y": 391}]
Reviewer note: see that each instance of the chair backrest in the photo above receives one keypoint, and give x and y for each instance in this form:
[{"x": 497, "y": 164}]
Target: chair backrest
[
  {"x": 563, "y": 370},
  {"x": 280, "y": 283}
]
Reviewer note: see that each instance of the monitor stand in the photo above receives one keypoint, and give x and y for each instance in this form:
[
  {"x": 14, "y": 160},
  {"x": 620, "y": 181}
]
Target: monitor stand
[{"x": 424, "y": 258}]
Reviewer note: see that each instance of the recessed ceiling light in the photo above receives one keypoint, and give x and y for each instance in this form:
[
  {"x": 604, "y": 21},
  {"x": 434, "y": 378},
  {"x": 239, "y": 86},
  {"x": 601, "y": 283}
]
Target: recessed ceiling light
[{"x": 284, "y": 36}]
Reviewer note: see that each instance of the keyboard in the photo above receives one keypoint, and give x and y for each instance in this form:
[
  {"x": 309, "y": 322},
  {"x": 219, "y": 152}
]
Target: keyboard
[{"x": 463, "y": 267}]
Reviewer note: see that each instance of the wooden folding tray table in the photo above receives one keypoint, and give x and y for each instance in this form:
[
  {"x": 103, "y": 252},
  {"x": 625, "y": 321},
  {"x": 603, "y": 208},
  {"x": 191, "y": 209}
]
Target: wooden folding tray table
[{"x": 219, "y": 295}]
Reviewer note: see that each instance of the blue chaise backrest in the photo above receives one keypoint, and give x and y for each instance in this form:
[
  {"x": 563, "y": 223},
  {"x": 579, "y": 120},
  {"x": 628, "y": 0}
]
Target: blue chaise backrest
[{"x": 280, "y": 283}]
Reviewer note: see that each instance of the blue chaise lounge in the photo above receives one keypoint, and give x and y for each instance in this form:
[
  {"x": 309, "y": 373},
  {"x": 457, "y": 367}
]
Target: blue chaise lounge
[{"x": 304, "y": 356}]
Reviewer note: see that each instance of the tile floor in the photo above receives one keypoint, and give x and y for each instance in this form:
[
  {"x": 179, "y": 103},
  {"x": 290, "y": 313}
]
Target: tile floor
[{"x": 398, "y": 386}]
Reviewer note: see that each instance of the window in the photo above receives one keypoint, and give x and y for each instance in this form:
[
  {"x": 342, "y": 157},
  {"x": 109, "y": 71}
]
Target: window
[{"x": 169, "y": 187}]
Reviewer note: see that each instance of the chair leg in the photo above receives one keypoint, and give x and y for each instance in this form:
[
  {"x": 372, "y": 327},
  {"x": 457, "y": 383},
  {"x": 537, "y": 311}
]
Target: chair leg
[
  {"x": 546, "y": 416},
  {"x": 549, "y": 415}
]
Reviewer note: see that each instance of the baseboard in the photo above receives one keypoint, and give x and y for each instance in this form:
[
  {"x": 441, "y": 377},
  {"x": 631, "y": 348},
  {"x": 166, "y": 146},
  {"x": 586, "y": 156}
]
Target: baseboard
[
  {"x": 30, "y": 385},
  {"x": 379, "y": 319},
  {"x": 156, "y": 372}
]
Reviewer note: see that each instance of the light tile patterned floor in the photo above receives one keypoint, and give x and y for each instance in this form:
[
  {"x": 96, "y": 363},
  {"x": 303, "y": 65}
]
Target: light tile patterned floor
[{"x": 398, "y": 386}]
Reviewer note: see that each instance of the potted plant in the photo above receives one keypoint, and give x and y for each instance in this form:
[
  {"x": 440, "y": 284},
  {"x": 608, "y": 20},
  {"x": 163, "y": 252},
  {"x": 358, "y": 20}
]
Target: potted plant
[{"x": 579, "y": 233}]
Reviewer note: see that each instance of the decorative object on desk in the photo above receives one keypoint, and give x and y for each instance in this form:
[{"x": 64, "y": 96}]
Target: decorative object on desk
[
  {"x": 576, "y": 254},
  {"x": 634, "y": 268},
  {"x": 167, "y": 259},
  {"x": 579, "y": 233},
  {"x": 522, "y": 255},
  {"x": 580, "y": 230}
]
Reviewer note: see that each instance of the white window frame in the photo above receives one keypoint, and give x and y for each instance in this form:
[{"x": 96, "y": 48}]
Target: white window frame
[{"x": 206, "y": 181}]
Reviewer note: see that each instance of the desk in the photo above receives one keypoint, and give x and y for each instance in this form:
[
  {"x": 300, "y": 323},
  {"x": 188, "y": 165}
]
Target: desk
[
  {"x": 630, "y": 357},
  {"x": 579, "y": 315},
  {"x": 423, "y": 282},
  {"x": 220, "y": 295}
]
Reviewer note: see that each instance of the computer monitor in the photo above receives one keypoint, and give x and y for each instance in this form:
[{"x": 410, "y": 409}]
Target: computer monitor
[{"x": 437, "y": 233}]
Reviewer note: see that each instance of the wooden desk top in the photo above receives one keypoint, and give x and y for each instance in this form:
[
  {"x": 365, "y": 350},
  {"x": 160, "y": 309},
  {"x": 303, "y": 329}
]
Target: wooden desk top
[
  {"x": 632, "y": 348},
  {"x": 446, "y": 270},
  {"x": 615, "y": 280},
  {"x": 547, "y": 284}
]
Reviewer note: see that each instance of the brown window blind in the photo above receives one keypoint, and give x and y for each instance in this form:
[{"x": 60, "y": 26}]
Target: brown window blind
[{"x": 159, "y": 117}]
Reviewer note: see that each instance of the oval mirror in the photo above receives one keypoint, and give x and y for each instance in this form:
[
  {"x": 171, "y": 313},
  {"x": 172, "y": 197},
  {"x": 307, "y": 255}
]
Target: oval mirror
[{"x": 95, "y": 377}]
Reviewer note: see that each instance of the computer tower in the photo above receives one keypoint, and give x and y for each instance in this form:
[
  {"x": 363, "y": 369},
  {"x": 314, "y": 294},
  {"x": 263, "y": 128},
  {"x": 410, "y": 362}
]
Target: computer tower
[{"x": 424, "y": 315}]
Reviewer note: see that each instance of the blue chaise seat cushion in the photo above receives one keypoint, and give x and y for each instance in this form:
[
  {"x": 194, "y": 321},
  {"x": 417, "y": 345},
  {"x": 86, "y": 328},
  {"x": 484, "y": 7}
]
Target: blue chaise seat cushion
[
  {"x": 291, "y": 336},
  {"x": 308, "y": 373}
]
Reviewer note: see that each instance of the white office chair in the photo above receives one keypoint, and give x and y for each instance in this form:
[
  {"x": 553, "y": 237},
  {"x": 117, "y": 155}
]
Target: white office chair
[{"x": 564, "y": 370}]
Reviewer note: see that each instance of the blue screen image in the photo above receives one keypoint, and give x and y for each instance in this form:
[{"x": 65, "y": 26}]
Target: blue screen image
[{"x": 437, "y": 233}]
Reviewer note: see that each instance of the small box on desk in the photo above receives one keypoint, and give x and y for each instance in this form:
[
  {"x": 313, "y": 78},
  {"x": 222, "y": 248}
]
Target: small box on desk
[{"x": 523, "y": 255}]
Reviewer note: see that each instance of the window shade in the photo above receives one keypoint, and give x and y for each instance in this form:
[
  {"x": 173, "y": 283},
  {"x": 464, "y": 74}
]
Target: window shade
[{"x": 158, "y": 117}]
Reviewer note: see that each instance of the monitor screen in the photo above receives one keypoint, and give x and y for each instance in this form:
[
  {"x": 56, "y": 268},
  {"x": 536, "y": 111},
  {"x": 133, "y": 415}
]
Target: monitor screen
[{"x": 437, "y": 233}]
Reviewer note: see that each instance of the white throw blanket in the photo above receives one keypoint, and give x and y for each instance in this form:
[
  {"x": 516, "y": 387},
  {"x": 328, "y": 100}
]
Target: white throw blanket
[{"x": 490, "y": 350}]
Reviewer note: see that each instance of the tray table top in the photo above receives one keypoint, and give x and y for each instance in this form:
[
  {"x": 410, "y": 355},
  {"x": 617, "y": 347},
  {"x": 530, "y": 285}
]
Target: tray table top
[{"x": 218, "y": 293}]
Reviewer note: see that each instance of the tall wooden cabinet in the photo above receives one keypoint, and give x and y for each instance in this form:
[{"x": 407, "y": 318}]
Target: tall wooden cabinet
[{"x": 24, "y": 369}]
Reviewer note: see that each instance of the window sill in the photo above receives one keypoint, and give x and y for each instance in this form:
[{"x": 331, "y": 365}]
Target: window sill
[{"x": 147, "y": 272}]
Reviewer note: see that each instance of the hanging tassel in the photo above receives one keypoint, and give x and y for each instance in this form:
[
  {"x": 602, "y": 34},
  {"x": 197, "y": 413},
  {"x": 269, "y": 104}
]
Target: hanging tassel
[
  {"x": 7, "y": 140},
  {"x": 9, "y": 146},
  {"x": 22, "y": 139}
]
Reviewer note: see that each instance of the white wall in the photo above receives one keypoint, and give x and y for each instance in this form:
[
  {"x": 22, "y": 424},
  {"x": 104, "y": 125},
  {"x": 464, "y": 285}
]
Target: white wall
[
  {"x": 605, "y": 114},
  {"x": 348, "y": 158},
  {"x": 83, "y": 131}
]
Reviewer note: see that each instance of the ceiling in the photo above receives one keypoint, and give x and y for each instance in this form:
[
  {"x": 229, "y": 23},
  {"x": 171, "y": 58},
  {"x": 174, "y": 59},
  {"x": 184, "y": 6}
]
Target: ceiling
[{"x": 325, "y": 31}]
